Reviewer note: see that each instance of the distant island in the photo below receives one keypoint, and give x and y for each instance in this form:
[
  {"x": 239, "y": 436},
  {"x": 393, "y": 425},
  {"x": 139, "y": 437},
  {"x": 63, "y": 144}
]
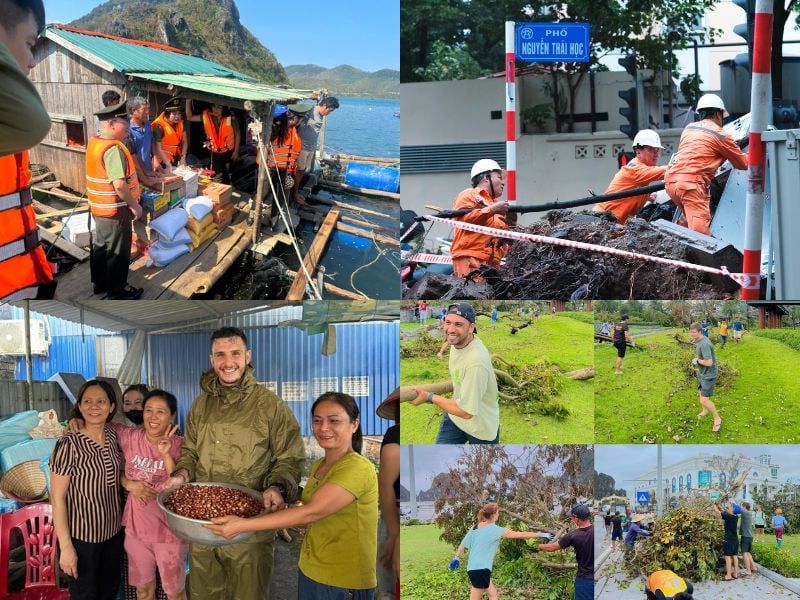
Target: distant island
[{"x": 346, "y": 80}]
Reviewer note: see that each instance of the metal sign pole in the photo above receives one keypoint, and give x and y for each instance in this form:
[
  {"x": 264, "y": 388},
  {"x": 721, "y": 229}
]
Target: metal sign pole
[
  {"x": 511, "y": 111},
  {"x": 760, "y": 107}
]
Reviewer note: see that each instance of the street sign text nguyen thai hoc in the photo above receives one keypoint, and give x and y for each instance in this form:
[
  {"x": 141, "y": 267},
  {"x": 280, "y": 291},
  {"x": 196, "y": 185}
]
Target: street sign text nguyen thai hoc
[{"x": 553, "y": 42}]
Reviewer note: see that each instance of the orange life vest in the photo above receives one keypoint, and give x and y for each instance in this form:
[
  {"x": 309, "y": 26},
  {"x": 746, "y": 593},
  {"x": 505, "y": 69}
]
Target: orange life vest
[
  {"x": 284, "y": 155},
  {"x": 221, "y": 140},
  {"x": 172, "y": 140},
  {"x": 23, "y": 263},
  {"x": 103, "y": 198}
]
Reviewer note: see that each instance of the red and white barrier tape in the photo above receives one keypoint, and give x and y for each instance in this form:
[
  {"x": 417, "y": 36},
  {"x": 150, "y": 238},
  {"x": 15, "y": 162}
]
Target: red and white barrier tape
[
  {"x": 740, "y": 278},
  {"x": 439, "y": 259}
]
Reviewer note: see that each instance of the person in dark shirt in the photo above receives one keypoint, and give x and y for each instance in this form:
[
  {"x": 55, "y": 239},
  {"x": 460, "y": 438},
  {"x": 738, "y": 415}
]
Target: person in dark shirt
[
  {"x": 621, "y": 339},
  {"x": 582, "y": 541},
  {"x": 607, "y": 521},
  {"x": 389, "y": 491},
  {"x": 730, "y": 517},
  {"x": 616, "y": 530}
]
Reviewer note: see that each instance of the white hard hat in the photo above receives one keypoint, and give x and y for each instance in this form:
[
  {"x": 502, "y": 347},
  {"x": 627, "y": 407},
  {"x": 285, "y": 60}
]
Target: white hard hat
[
  {"x": 711, "y": 101},
  {"x": 647, "y": 137},
  {"x": 482, "y": 166}
]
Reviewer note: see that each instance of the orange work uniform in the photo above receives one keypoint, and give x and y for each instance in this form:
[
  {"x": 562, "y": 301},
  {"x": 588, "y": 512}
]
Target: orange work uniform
[
  {"x": 704, "y": 146},
  {"x": 470, "y": 250},
  {"x": 172, "y": 140},
  {"x": 23, "y": 263},
  {"x": 633, "y": 175}
]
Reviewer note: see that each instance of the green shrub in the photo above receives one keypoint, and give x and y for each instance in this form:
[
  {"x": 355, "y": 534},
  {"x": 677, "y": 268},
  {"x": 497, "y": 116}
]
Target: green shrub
[
  {"x": 413, "y": 522},
  {"x": 583, "y": 317},
  {"x": 790, "y": 337},
  {"x": 778, "y": 560}
]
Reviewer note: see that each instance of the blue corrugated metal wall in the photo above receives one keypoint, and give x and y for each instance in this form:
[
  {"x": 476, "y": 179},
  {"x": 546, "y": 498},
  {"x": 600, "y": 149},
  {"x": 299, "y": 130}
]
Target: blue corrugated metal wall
[
  {"x": 69, "y": 351},
  {"x": 288, "y": 354}
]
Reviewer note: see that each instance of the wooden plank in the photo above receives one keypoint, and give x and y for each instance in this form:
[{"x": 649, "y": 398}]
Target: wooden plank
[
  {"x": 64, "y": 245},
  {"x": 353, "y": 207},
  {"x": 383, "y": 239},
  {"x": 310, "y": 260},
  {"x": 211, "y": 264},
  {"x": 59, "y": 194},
  {"x": 336, "y": 185},
  {"x": 337, "y": 291},
  {"x": 344, "y": 218}
]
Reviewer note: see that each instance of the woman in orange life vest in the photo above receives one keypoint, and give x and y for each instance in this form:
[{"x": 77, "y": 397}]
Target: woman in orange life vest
[
  {"x": 24, "y": 270},
  {"x": 170, "y": 136},
  {"x": 222, "y": 137},
  {"x": 282, "y": 153}
]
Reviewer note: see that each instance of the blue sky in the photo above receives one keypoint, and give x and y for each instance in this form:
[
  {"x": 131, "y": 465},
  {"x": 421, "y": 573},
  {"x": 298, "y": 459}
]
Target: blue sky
[{"x": 361, "y": 33}]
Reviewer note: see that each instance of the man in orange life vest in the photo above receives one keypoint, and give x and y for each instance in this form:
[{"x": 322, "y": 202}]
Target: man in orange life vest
[
  {"x": 222, "y": 137},
  {"x": 704, "y": 146},
  {"x": 112, "y": 188},
  {"x": 471, "y": 250},
  {"x": 24, "y": 270},
  {"x": 170, "y": 136},
  {"x": 641, "y": 171}
]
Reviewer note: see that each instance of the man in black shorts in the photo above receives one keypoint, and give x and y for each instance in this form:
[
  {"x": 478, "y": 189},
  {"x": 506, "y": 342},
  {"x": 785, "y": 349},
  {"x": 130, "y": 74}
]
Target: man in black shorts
[
  {"x": 582, "y": 540},
  {"x": 607, "y": 521},
  {"x": 616, "y": 530},
  {"x": 731, "y": 541},
  {"x": 622, "y": 338}
]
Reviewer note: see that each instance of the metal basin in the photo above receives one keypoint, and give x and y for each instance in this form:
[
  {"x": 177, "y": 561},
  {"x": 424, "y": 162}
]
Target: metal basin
[{"x": 192, "y": 530}]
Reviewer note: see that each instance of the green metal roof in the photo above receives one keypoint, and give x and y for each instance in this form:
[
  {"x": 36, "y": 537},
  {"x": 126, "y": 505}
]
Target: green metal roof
[
  {"x": 226, "y": 87},
  {"x": 126, "y": 58}
]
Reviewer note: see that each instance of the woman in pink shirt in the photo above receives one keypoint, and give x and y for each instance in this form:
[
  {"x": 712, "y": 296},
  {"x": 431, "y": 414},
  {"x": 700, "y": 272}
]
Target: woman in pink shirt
[{"x": 150, "y": 453}]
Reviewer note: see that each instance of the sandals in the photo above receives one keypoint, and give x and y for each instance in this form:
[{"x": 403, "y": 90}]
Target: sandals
[{"x": 717, "y": 427}]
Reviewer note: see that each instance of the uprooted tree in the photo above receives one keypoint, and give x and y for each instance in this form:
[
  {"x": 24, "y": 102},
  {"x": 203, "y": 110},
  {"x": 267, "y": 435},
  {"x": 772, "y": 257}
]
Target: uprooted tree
[
  {"x": 534, "y": 486},
  {"x": 688, "y": 539}
]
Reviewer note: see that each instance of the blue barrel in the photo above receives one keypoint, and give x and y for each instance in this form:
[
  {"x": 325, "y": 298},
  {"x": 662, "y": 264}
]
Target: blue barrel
[{"x": 372, "y": 177}]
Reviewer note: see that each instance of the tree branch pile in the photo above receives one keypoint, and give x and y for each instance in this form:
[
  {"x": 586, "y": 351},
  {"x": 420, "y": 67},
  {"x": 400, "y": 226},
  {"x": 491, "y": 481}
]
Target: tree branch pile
[{"x": 546, "y": 271}]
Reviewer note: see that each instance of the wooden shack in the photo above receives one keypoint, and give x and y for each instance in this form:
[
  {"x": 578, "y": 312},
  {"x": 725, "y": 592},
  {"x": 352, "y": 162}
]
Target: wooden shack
[
  {"x": 770, "y": 314},
  {"x": 74, "y": 67}
]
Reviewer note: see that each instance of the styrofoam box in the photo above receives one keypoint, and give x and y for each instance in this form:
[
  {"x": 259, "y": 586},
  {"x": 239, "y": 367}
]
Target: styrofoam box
[{"x": 76, "y": 229}]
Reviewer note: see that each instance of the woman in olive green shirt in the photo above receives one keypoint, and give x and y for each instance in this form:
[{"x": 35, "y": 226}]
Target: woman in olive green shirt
[{"x": 340, "y": 508}]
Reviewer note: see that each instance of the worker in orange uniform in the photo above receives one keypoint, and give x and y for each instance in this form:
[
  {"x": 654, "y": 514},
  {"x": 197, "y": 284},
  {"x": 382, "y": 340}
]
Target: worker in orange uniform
[
  {"x": 112, "y": 188},
  {"x": 471, "y": 250},
  {"x": 222, "y": 137},
  {"x": 704, "y": 146},
  {"x": 170, "y": 136},
  {"x": 641, "y": 171},
  {"x": 24, "y": 270}
]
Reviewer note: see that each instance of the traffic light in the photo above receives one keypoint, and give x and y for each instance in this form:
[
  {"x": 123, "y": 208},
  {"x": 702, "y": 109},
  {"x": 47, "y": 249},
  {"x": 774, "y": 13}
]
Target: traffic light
[
  {"x": 629, "y": 112},
  {"x": 745, "y": 30}
]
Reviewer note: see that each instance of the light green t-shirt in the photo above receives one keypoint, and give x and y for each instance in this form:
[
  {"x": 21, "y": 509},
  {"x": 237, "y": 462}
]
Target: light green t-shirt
[
  {"x": 475, "y": 390},
  {"x": 340, "y": 549},
  {"x": 114, "y": 161}
]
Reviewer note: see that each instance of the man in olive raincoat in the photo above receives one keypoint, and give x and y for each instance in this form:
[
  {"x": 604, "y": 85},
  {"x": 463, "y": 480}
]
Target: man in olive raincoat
[{"x": 238, "y": 432}]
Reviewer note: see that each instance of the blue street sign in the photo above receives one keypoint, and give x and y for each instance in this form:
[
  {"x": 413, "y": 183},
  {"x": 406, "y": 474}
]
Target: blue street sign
[
  {"x": 643, "y": 497},
  {"x": 553, "y": 42}
]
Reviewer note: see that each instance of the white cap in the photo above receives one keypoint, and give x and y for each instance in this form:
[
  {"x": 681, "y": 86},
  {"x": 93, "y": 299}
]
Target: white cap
[
  {"x": 482, "y": 166},
  {"x": 647, "y": 137},
  {"x": 711, "y": 101}
]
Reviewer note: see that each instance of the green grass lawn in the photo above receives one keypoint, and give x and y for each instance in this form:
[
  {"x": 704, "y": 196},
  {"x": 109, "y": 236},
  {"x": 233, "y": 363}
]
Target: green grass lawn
[
  {"x": 656, "y": 397},
  {"x": 424, "y": 573},
  {"x": 562, "y": 340}
]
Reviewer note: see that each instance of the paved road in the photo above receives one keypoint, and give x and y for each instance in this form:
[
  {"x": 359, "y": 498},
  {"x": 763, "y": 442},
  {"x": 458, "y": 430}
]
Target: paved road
[{"x": 612, "y": 582}]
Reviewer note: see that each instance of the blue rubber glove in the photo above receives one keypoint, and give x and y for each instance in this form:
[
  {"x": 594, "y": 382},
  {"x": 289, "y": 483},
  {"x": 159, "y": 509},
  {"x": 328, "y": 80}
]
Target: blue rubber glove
[
  {"x": 454, "y": 564},
  {"x": 547, "y": 536}
]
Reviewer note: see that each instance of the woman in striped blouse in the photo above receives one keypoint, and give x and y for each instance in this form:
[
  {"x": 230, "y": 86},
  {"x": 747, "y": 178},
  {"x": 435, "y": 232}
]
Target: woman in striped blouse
[{"x": 85, "y": 492}]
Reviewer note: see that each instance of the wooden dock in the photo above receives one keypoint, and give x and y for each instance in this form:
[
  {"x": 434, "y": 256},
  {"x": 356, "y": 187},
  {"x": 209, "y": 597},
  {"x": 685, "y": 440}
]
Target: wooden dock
[{"x": 191, "y": 274}]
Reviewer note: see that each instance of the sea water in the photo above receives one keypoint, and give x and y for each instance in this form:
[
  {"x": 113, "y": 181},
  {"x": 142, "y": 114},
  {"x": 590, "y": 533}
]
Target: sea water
[{"x": 364, "y": 126}]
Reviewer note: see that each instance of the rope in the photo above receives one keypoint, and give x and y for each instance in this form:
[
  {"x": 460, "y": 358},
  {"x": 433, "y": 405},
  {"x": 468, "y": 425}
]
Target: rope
[{"x": 740, "y": 278}]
